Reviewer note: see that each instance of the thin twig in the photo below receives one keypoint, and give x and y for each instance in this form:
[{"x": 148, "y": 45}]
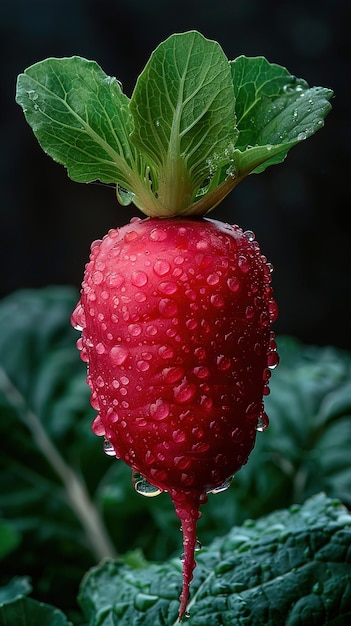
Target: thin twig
[{"x": 78, "y": 496}]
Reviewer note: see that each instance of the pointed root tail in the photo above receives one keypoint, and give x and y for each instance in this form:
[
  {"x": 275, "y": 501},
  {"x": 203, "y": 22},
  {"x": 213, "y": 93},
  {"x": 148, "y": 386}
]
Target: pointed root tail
[{"x": 187, "y": 505}]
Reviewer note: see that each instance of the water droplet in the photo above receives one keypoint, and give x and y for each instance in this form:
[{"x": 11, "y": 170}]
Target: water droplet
[
  {"x": 184, "y": 392},
  {"x": 173, "y": 374},
  {"x": 97, "y": 277},
  {"x": 158, "y": 234},
  {"x": 161, "y": 267},
  {"x": 231, "y": 171},
  {"x": 272, "y": 359},
  {"x": 201, "y": 372},
  {"x": 98, "y": 427},
  {"x": 139, "y": 279},
  {"x": 223, "y": 363},
  {"x": 134, "y": 330},
  {"x": 212, "y": 279},
  {"x": 78, "y": 317},
  {"x": 143, "y": 366},
  {"x": 182, "y": 462},
  {"x": 151, "y": 330},
  {"x": 118, "y": 355},
  {"x": 250, "y": 235},
  {"x": 273, "y": 310},
  {"x": 168, "y": 308},
  {"x": 142, "y": 486},
  {"x": 100, "y": 348},
  {"x": 198, "y": 545},
  {"x": 233, "y": 283},
  {"x": 143, "y": 601},
  {"x": 178, "y": 260},
  {"x": 223, "y": 487},
  {"x": 167, "y": 288},
  {"x": 262, "y": 422},
  {"x": 178, "y": 436},
  {"x": 159, "y": 410},
  {"x": 124, "y": 196},
  {"x": 166, "y": 352},
  {"x": 249, "y": 312},
  {"x": 130, "y": 235},
  {"x": 243, "y": 264},
  {"x": 116, "y": 280},
  {"x": 108, "y": 448}
]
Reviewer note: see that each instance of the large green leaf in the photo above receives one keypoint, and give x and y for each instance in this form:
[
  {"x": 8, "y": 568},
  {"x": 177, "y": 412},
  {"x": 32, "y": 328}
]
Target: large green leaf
[
  {"x": 291, "y": 567},
  {"x": 184, "y": 112},
  {"x": 80, "y": 117},
  {"x": 16, "y": 609}
]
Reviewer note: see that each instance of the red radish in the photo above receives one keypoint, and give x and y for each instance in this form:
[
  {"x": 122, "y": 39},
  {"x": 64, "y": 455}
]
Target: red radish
[
  {"x": 175, "y": 309},
  {"x": 176, "y": 329}
]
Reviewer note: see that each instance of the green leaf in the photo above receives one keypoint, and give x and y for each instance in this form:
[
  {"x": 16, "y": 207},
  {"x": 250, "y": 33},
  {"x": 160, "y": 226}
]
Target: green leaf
[
  {"x": 28, "y": 612},
  {"x": 183, "y": 109},
  {"x": 195, "y": 126},
  {"x": 292, "y": 567},
  {"x": 17, "y": 588},
  {"x": 80, "y": 117},
  {"x": 18, "y": 610},
  {"x": 275, "y": 111}
]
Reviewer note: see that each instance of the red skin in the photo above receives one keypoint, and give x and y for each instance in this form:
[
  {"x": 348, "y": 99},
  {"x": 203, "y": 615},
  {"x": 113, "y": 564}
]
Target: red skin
[{"x": 176, "y": 329}]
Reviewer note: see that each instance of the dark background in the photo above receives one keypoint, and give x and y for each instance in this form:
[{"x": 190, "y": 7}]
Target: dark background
[{"x": 298, "y": 209}]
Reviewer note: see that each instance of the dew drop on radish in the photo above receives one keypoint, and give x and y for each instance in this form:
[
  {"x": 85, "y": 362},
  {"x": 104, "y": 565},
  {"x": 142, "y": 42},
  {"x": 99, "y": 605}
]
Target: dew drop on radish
[
  {"x": 223, "y": 487},
  {"x": 233, "y": 283},
  {"x": 272, "y": 359},
  {"x": 108, "y": 448},
  {"x": 250, "y": 235},
  {"x": 118, "y": 354},
  {"x": 78, "y": 317},
  {"x": 262, "y": 422},
  {"x": 158, "y": 234},
  {"x": 161, "y": 267},
  {"x": 139, "y": 279},
  {"x": 143, "y": 486},
  {"x": 184, "y": 392}
]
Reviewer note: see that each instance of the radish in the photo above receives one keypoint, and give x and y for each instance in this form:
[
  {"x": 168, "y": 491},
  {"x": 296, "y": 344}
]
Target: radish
[{"x": 176, "y": 309}]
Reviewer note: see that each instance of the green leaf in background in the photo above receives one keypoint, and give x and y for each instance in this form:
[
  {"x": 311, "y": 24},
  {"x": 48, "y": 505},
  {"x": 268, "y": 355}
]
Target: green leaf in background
[
  {"x": 291, "y": 567},
  {"x": 195, "y": 126},
  {"x": 16, "y": 609},
  {"x": 23, "y": 611},
  {"x": 17, "y": 588}
]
